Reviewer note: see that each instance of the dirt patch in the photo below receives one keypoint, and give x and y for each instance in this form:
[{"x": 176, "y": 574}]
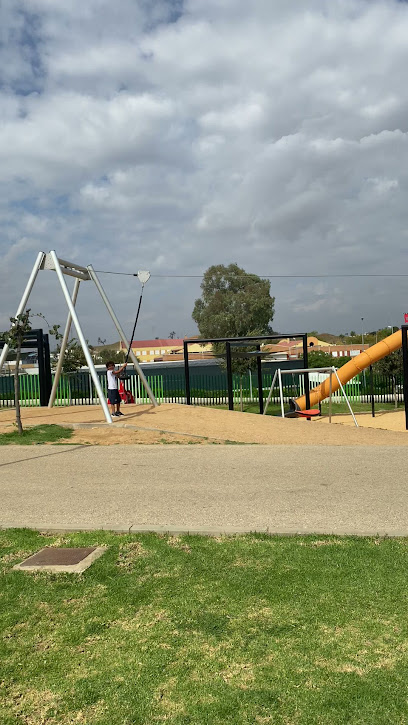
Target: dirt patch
[
  {"x": 124, "y": 436},
  {"x": 173, "y": 423}
]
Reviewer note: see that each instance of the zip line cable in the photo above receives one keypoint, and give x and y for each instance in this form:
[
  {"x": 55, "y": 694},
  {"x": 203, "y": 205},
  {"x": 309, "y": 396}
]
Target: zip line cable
[{"x": 263, "y": 276}]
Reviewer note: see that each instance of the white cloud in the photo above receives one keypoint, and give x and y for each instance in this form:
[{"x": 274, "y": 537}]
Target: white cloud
[{"x": 171, "y": 137}]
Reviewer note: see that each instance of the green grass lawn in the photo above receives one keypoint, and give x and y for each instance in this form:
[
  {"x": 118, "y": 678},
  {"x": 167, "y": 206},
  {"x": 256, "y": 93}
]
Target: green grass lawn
[
  {"x": 36, "y": 434},
  {"x": 216, "y": 631},
  {"x": 337, "y": 408}
]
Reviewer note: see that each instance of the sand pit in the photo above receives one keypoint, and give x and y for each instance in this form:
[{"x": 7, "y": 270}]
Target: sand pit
[
  {"x": 183, "y": 424},
  {"x": 390, "y": 421}
]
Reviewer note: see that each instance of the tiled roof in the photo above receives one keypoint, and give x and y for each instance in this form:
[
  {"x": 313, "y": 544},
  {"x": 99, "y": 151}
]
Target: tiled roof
[{"x": 156, "y": 343}]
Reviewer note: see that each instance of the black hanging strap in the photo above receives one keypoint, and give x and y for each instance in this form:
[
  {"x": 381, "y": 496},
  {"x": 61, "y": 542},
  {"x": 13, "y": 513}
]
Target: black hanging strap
[
  {"x": 143, "y": 277},
  {"x": 134, "y": 326}
]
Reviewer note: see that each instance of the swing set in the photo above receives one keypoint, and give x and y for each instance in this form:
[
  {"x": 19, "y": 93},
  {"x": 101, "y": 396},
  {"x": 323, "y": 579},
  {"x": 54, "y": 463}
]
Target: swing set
[
  {"x": 295, "y": 411},
  {"x": 62, "y": 268}
]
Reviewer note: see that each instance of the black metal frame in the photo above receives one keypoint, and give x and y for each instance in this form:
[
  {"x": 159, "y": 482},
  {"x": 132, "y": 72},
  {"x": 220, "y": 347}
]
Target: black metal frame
[
  {"x": 39, "y": 340},
  {"x": 372, "y": 391},
  {"x": 404, "y": 333},
  {"x": 236, "y": 341}
]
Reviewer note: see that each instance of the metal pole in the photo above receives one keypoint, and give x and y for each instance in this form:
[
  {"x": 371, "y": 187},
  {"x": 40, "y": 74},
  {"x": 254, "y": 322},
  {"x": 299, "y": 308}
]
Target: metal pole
[
  {"x": 82, "y": 340},
  {"x": 260, "y": 387},
  {"x": 345, "y": 397},
  {"x": 41, "y": 368},
  {"x": 47, "y": 363},
  {"x": 64, "y": 344},
  {"x": 281, "y": 392},
  {"x": 306, "y": 375},
  {"x": 24, "y": 299},
  {"x": 229, "y": 377},
  {"x": 404, "y": 331},
  {"x": 330, "y": 396},
  {"x": 268, "y": 400},
  {"x": 372, "y": 391},
  {"x": 187, "y": 373},
  {"x": 123, "y": 337}
]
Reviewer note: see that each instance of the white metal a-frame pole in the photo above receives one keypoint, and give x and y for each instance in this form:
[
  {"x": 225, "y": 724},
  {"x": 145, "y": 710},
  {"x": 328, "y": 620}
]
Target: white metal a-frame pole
[
  {"x": 345, "y": 397},
  {"x": 270, "y": 392},
  {"x": 24, "y": 299},
  {"x": 64, "y": 344},
  {"x": 88, "y": 357},
  {"x": 120, "y": 330}
]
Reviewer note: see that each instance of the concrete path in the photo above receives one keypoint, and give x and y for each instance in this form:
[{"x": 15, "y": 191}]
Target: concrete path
[{"x": 209, "y": 489}]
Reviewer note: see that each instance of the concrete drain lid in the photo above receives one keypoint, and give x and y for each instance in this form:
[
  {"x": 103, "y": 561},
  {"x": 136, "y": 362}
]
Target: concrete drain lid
[{"x": 61, "y": 559}]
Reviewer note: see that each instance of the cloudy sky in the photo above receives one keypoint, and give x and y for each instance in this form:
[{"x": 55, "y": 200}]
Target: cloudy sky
[{"x": 170, "y": 135}]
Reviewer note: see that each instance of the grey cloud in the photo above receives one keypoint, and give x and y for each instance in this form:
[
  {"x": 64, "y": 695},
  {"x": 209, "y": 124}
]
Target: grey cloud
[{"x": 175, "y": 136}]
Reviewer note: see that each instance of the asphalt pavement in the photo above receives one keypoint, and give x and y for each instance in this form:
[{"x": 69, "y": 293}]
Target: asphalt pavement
[{"x": 206, "y": 489}]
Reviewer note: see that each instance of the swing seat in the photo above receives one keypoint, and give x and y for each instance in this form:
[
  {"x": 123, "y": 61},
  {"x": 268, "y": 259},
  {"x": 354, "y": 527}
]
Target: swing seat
[
  {"x": 295, "y": 412},
  {"x": 307, "y": 413},
  {"x": 302, "y": 413}
]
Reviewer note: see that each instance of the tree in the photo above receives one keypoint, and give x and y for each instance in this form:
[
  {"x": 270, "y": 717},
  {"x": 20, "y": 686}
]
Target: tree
[
  {"x": 319, "y": 359},
  {"x": 74, "y": 357},
  {"x": 391, "y": 366},
  {"x": 106, "y": 354},
  {"x": 234, "y": 303},
  {"x": 20, "y": 326}
]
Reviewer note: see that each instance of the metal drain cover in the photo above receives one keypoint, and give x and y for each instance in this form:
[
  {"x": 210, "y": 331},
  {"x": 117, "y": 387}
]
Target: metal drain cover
[{"x": 61, "y": 559}]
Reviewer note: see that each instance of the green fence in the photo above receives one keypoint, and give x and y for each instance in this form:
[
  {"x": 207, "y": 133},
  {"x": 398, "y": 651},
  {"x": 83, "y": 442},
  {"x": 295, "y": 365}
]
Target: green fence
[
  {"x": 79, "y": 389},
  {"x": 29, "y": 390}
]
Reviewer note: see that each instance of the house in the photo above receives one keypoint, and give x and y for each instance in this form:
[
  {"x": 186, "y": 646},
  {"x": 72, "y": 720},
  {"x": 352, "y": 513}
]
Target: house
[
  {"x": 159, "y": 350},
  {"x": 288, "y": 349}
]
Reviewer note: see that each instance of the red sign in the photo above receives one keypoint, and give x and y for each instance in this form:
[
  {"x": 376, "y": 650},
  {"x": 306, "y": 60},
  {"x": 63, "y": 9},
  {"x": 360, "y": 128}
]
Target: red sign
[{"x": 406, "y": 317}]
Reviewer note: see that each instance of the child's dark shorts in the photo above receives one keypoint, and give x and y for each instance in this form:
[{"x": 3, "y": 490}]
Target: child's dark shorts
[{"x": 114, "y": 397}]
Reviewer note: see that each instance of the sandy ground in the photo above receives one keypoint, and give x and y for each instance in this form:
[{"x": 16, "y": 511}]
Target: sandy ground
[
  {"x": 391, "y": 421},
  {"x": 172, "y": 423}
]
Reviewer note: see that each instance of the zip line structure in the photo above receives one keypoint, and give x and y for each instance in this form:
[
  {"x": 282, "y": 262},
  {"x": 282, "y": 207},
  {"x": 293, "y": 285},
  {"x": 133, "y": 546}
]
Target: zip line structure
[{"x": 62, "y": 268}]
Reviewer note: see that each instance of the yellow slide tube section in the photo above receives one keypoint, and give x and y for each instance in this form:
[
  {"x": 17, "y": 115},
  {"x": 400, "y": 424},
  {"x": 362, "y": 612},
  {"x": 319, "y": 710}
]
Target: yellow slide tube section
[{"x": 353, "y": 367}]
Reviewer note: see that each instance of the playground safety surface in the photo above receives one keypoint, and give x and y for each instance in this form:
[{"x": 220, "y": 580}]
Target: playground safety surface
[{"x": 174, "y": 423}]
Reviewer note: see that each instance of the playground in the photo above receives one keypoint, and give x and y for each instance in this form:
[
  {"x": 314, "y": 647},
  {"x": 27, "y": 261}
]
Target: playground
[
  {"x": 191, "y": 421},
  {"x": 183, "y": 424}
]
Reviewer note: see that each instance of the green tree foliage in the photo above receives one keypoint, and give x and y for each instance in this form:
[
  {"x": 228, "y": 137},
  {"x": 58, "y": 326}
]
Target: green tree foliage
[
  {"x": 105, "y": 354},
  {"x": 20, "y": 326},
  {"x": 391, "y": 365},
  {"x": 234, "y": 303},
  {"x": 74, "y": 357},
  {"x": 319, "y": 359}
]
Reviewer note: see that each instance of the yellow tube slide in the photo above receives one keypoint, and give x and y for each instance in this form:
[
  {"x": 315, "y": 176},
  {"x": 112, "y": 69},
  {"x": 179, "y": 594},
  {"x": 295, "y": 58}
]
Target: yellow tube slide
[{"x": 353, "y": 367}]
